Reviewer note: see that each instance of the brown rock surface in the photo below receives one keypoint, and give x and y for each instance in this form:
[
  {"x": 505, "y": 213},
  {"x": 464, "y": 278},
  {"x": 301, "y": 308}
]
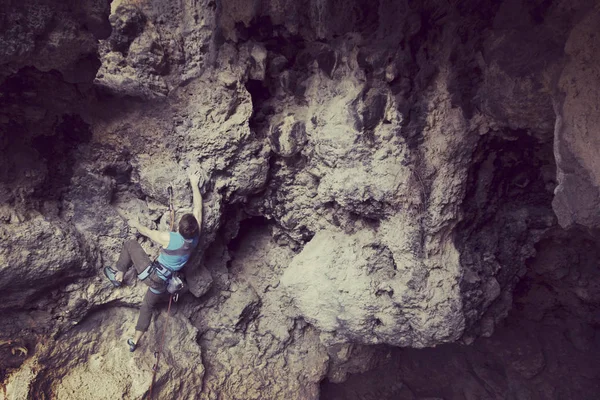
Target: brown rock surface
[
  {"x": 377, "y": 174},
  {"x": 53, "y": 35},
  {"x": 577, "y": 127}
]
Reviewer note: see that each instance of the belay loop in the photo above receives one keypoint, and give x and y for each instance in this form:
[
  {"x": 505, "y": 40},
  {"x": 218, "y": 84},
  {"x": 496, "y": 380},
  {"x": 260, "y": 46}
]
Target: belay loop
[{"x": 175, "y": 284}]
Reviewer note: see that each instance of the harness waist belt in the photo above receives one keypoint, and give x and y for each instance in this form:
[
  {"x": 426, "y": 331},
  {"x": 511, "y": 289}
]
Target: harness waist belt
[
  {"x": 163, "y": 272},
  {"x": 146, "y": 272}
]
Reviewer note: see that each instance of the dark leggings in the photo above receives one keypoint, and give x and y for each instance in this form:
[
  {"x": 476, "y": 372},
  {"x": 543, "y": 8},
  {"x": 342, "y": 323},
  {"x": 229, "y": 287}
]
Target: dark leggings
[
  {"x": 148, "y": 304},
  {"x": 133, "y": 253}
]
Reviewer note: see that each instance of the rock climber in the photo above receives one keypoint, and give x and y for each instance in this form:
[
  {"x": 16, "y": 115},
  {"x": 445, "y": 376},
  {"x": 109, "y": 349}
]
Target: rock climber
[{"x": 176, "y": 248}]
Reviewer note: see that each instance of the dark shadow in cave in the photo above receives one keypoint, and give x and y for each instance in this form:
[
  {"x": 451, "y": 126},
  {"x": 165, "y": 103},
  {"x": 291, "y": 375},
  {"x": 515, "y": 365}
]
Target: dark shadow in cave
[
  {"x": 507, "y": 201},
  {"x": 57, "y": 151},
  {"x": 550, "y": 333},
  {"x": 547, "y": 348},
  {"x": 260, "y": 94},
  {"x": 247, "y": 228},
  {"x": 39, "y": 132}
]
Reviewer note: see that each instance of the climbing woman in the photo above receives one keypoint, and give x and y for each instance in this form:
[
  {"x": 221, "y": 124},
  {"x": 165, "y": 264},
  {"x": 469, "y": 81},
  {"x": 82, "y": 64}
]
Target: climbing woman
[{"x": 175, "y": 250}]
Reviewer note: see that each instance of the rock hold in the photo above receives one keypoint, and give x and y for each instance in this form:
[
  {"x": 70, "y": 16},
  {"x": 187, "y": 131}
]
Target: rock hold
[{"x": 289, "y": 137}]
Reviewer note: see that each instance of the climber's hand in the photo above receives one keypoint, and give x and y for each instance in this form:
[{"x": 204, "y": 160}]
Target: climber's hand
[
  {"x": 197, "y": 177},
  {"x": 194, "y": 178},
  {"x": 134, "y": 223}
]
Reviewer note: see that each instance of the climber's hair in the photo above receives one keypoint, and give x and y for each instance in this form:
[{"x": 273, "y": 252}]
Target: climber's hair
[{"x": 188, "y": 226}]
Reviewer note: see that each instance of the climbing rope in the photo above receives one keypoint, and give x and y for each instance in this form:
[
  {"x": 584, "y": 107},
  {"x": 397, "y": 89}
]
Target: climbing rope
[{"x": 162, "y": 339}]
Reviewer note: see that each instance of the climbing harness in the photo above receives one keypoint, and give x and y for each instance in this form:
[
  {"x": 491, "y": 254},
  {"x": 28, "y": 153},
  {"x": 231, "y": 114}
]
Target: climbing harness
[
  {"x": 175, "y": 284},
  {"x": 162, "y": 339},
  {"x": 147, "y": 271},
  {"x": 163, "y": 272}
]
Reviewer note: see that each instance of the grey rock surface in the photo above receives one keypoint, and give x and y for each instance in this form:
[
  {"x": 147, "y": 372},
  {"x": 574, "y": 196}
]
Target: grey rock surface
[
  {"x": 53, "y": 35},
  {"x": 155, "y": 47},
  {"x": 93, "y": 361},
  {"x": 253, "y": 347},
  {"x": 376, "y": 175},
  {"x": 533, "y": 349},
  {"x": 576, "y": 140},
  {"x": 46, "y": 253},
  {"x": 350, "y": 287}
]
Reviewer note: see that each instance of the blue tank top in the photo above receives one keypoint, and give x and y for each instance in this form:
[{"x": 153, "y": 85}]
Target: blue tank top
[{"x": 177, "y": 252}]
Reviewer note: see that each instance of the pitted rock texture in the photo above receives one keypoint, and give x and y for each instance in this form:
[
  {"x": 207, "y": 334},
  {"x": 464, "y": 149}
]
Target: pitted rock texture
[
  {"x": 53, "y": 35},
  {"x": 576, "y": 143},
  {"x": 86, "y": 364},
  {"x": 350, "y": 287},
  {"x": 47, "y": 254},
  {"x": 156, "y": 46},
  {"x": 253, "y": 347},
  {"x": 398, "y": 155},
  {"x": 550, "y": 333}
]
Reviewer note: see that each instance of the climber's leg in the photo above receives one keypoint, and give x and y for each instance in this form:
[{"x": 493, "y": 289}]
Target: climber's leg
[
  {"x": 148, "y": 304},
  {"x": 132, "y": 252}
]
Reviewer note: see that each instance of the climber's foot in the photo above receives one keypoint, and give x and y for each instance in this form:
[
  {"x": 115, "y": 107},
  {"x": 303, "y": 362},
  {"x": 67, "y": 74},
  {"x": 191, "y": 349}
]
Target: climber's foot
[
  {"x": 132, "y": 345},
  {"x": 111, "y": 274}
]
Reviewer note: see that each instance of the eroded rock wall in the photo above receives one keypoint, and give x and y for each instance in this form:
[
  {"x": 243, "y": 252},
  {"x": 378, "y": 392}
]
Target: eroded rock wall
[
  {"x": 52, "y": 35},
  {"x": 549, "y": 334},
  {"x": 398, "y": 156},
  {"x": 576, "y": 139}
]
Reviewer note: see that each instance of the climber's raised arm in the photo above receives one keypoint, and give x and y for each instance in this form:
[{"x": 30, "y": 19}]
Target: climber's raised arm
[
  {"x": 177, "y": 246},
  {"x": 197, "y": 197}
]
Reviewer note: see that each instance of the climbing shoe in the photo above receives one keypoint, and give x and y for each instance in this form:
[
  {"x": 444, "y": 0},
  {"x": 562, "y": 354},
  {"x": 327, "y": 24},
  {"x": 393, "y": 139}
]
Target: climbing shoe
[
  {"x": 111, "y": 275},
  {"x": 132, "y": 345}
]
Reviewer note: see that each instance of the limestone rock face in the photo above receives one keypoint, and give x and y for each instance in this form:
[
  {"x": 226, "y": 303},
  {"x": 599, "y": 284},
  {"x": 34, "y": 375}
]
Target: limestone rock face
[
  {"x": 377, "y": 174},
  {"x": 288, "y": 138},
  {"x": 526, "y": 357},
  {"x": 155, "y": 47},
  {"x": 254, "y": 348},
  {"x": 576, "y": 142},
  {"x": 53, "y": 35},
  {"x": 86, "y": 364},
  {"x": 350, "y": 287},
  {"x": 39, "y": 255}
]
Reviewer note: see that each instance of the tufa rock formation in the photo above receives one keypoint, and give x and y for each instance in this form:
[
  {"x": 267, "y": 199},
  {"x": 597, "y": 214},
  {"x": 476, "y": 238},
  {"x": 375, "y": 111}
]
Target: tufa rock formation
[{"x": 403, "y": 193}]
